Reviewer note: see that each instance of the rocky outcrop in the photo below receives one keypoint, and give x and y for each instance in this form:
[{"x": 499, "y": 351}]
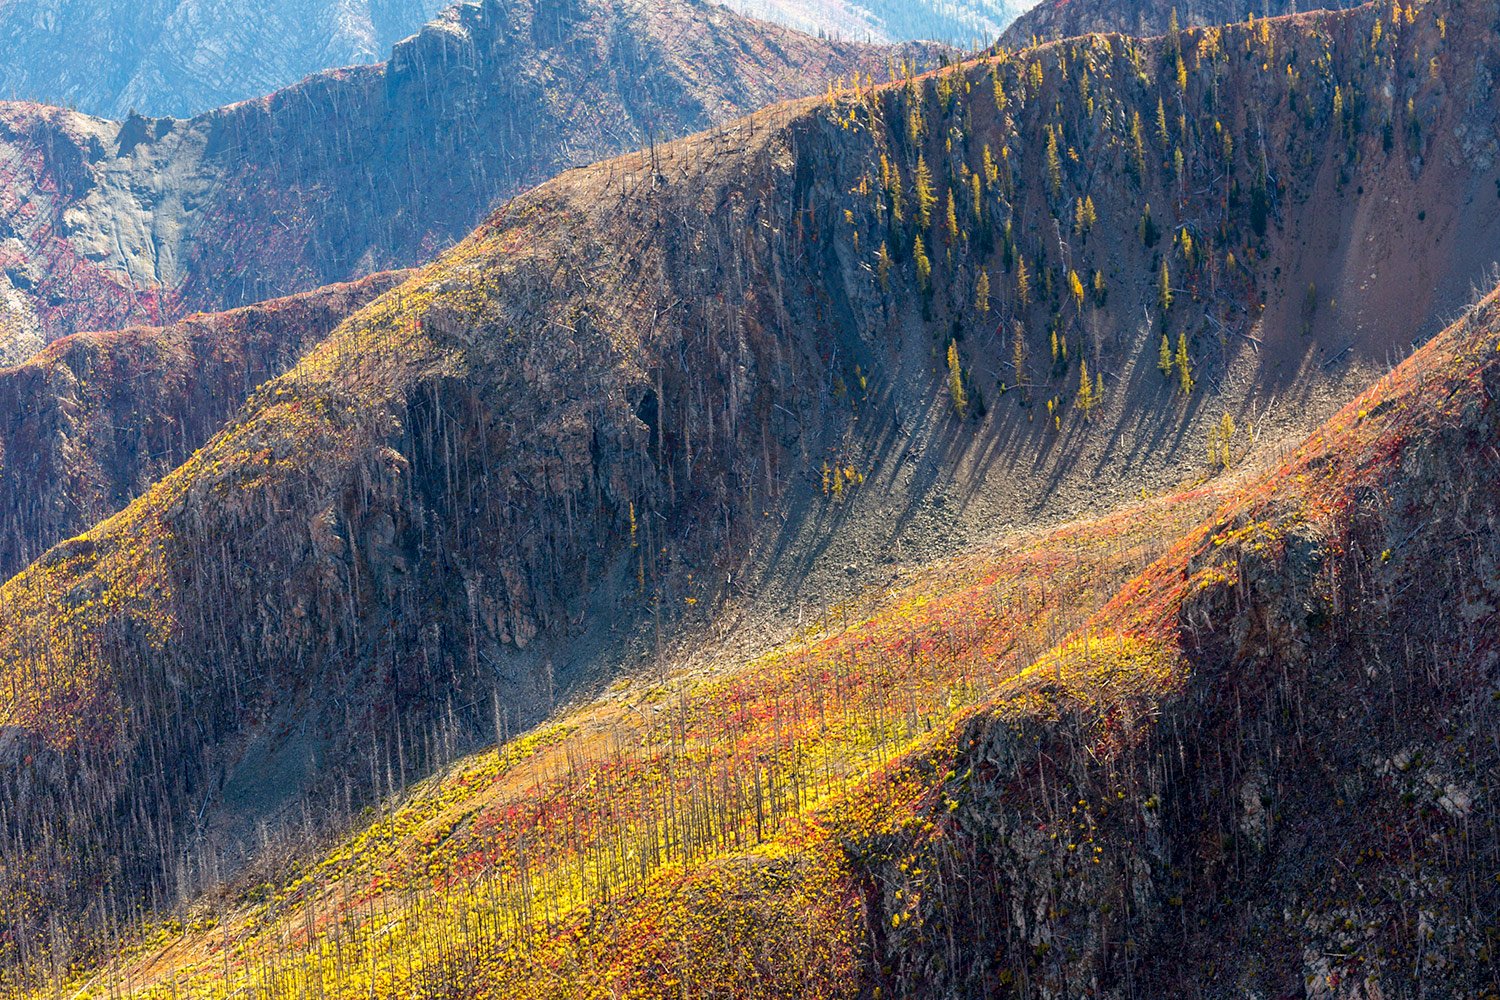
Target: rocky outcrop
[
  {"x": 183, "y": 57},
  {"x": 965, "y": 23},
  {"x": 106, "y": 224},
  {"x": 92, "y": 421}
]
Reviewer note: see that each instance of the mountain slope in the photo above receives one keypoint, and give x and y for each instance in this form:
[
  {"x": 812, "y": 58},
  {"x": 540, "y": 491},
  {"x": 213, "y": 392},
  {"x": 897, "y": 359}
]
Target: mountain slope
[
  {"x": 96, "y": 418},
  {"x": 967, "y": 23},
  {"x": 182, "y": 57},
  {"x": 1264, "y": 767},
  {"x": 722, "y": 371},
  {"x": 107, "y": 224}
]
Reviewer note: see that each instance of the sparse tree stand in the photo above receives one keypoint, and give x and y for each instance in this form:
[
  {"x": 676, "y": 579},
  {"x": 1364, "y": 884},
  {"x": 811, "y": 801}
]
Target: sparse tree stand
[
  {"x": 1088, "y": 392},
  {"x": 1220, "y": 443}
]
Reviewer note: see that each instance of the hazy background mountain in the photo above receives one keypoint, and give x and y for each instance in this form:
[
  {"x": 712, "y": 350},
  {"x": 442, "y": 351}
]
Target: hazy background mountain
[
  {"x": 958, "y": 22},
  {"x": 110, "y": 224},
  {"x": 181, "y": 57}
]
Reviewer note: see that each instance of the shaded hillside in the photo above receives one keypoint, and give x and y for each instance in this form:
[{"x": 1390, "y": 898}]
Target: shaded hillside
[
  {"x": 1265, "y": 767},
  {"x": 96, "y": 418},
  {"x": 182, "y": 57},
  {"x": 104, "y": 224},
  {"x": 1053, "y": 19},
  {"x": 691, "y": 376}
]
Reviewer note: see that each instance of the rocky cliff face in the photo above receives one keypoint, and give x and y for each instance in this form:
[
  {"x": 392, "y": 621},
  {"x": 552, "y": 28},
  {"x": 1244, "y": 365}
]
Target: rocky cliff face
[
  {"x": 92, "y": 421},
  {"x": 642, "y": 378},
  {"x": 959, "y": 22},
  {"x": 106, "y": 224},
  {"x": 179, "y": 58}
]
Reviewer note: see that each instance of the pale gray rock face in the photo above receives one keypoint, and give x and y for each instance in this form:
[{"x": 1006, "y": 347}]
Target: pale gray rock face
[
  {"x": 106, "y": 224},
  {"x": 958, "y": 22},
  {"x": 182, "y": 57}
]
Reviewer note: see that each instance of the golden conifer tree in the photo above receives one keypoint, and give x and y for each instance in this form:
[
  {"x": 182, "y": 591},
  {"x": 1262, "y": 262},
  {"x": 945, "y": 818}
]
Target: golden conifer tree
[
  {"x": 956, "y": 381},
  {"x": 926, "y": 199},
  {"x": 1054, "y": 164},
  {"x": 1184, "y": 365}
]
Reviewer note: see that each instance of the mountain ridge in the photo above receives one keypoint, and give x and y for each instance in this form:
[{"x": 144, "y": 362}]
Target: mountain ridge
[
  {"x": 966, "y": 23},
  {"x": 1053, "y": 19},
  {"x": 108, "y": 224},
  {"x": 95, "y": 418}
]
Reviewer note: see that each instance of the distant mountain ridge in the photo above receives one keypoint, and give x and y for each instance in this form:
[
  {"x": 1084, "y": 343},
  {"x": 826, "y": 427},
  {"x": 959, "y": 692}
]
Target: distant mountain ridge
[
  {"x": 182, "y": 57},
  {"x": 958, "y": 22},
  {"x": 1053, "y": 19},
  {"x": 108, "y": 224}
]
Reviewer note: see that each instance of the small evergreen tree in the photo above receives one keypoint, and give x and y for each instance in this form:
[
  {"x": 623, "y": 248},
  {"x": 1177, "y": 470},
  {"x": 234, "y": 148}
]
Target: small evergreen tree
[
  {"x": 1075, "y": 287},
  {"x": 1086, "y": 398},
  {"x": 926, "y": 199},
  {"x": 1054, "y": 163},
  {"x": 1018, "y": 352},
  {"x": 1148, "y": 232},
  {"x": 1184, "y": 365},
  {"x": 956, "y": 381},
  {"x": 1138, "y": 145},
  {"x": 890, "y": 177}
]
